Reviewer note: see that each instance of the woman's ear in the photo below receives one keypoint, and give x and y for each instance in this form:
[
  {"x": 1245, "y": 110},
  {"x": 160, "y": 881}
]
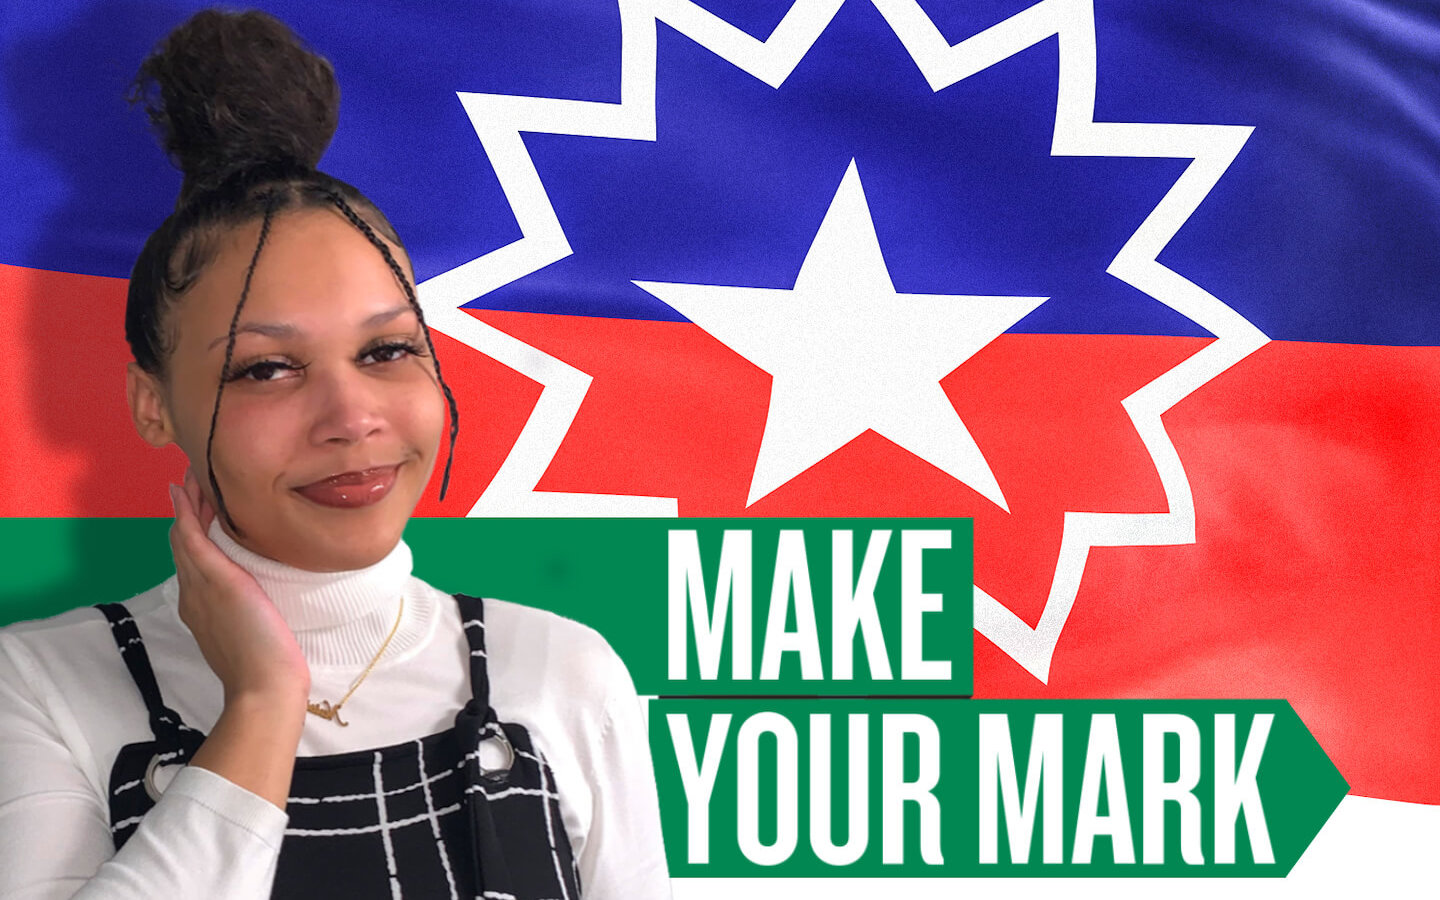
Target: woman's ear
[{"x": 146, "y": 397}]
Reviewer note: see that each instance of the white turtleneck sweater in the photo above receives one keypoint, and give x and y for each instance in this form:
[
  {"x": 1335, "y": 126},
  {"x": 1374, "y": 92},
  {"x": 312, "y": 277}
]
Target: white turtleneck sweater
[{"x": 68, "y": 705}]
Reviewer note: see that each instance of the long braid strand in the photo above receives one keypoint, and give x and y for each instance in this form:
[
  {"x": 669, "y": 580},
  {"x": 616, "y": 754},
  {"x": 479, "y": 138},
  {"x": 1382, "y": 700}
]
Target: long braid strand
[
  {"x": 364, "y": 227},
  {"x": 225, "y": 367}
]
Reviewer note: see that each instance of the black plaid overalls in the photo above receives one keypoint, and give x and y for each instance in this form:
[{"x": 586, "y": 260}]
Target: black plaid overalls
[{"x": 427, "y": 818}]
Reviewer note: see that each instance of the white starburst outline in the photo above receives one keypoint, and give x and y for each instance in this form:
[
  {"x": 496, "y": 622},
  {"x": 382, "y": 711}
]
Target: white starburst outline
[{"x": 499, "y": 121}]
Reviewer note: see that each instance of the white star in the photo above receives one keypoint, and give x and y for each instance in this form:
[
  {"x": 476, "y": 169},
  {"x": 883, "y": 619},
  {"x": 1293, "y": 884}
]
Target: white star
[{"x": 848, "y": 354}]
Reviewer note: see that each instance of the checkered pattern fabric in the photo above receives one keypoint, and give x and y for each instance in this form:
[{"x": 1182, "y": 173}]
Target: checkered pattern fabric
[{"x": 468, "y": 812}]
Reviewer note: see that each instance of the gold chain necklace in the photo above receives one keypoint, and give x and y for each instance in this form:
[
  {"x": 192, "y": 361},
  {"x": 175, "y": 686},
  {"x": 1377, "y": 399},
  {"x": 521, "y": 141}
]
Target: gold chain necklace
[{"x": 324, "y": 710}]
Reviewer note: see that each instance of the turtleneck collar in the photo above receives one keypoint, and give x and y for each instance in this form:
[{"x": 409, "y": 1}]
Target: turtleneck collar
[{"x": 340, "y": 618}]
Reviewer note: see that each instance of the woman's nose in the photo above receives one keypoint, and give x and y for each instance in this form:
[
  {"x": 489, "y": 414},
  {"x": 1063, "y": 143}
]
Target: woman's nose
[{"x": 347, "y": 408}]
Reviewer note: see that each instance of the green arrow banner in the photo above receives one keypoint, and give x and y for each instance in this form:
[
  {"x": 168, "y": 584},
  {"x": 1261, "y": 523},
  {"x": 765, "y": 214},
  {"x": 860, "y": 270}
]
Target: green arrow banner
[
  {"x": 988, "y": 787},
  {"x": 809, "y": 671}
]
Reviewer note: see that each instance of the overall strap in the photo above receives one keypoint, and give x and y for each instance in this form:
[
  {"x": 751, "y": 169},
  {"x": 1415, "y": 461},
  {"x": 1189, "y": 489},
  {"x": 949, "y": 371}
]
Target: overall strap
[
  {"x": 472, "y": 615},
  {"x": 520, "y": 848},
  {"x": 164, "y": 722}
]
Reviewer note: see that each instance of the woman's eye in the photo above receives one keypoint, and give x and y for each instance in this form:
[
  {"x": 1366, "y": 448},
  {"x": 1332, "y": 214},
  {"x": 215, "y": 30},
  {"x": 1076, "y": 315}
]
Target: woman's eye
[
  {"x": 389, "y": 352},
  {"x": 268, "y": 370}
]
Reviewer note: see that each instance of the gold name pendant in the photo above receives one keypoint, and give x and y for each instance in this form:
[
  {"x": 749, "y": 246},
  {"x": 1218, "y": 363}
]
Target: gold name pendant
[{"x": 325, "y": 711}]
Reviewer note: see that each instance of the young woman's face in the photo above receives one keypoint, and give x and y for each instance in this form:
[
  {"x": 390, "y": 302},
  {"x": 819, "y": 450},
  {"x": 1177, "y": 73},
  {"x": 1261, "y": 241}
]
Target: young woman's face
[{"x": 331, "y": 416}]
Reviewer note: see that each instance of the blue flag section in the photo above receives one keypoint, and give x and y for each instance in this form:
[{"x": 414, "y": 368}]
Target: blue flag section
[
  {"x": 1323, "y": 229},
  {"x": 1146, "y": 290}
]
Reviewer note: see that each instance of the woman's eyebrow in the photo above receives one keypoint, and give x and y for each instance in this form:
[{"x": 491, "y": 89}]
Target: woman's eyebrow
[
  {"x": 269, "y": 329},
  {"x": 282, "y": 330},
  {"x": 381, "y": 318}
]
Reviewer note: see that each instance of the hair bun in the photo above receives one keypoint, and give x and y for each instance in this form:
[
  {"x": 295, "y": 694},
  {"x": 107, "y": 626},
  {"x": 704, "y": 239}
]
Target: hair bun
[{"x": 228, "y": 92}]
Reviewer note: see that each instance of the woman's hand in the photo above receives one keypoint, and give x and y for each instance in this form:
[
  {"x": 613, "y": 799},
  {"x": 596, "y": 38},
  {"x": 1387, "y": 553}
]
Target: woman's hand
[
  {"x": 248, "y": 645},
  {"x": 245, "y": 640}
]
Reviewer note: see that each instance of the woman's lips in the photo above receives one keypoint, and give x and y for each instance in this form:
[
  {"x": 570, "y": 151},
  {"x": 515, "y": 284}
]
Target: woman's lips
[{"x": 351, "y": 489}]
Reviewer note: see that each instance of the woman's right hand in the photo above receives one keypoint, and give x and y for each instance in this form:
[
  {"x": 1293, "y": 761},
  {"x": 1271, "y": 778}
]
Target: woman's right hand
[
  {"x": 243, "y": 637},
  {"x": 247, "y": 643}
]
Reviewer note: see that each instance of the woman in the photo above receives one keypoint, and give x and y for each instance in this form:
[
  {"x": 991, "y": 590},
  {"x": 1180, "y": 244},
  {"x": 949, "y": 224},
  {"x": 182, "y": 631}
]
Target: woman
[{"x": 293, "y": 711}]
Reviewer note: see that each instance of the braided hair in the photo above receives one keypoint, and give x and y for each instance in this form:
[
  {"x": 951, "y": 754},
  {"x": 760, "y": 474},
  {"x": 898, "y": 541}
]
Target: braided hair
[{"x": 245, "y": 110}]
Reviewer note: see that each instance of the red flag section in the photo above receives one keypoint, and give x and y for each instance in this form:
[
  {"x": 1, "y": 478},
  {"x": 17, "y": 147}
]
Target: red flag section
[{"x": 1312, "y": 577}]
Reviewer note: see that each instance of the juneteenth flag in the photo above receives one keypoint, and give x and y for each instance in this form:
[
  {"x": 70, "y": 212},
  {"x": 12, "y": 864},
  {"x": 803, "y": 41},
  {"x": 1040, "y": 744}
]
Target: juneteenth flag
[{"x": 1148, "y": 290}]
